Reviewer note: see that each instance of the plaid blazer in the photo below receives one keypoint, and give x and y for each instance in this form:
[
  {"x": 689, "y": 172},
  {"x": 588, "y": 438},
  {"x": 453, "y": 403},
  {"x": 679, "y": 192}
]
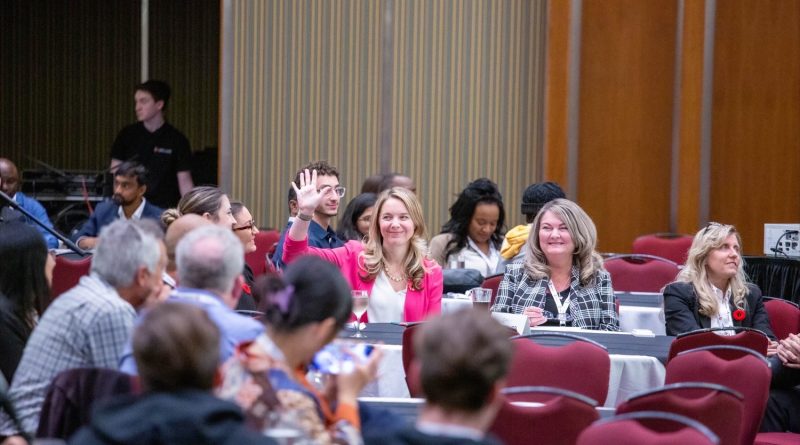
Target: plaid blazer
[{"x": 592, "y": 307}]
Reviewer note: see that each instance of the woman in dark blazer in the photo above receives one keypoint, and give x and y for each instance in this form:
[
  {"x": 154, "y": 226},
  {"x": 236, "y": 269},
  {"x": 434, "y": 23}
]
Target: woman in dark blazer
[{"x": 711, "y": 290}]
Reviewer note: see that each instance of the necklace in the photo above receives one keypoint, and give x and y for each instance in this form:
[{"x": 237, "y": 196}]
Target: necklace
[{"x": 394, "y": 278}]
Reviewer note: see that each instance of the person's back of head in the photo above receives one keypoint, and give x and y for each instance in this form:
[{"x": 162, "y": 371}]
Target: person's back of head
[
  {"x": 537, "y": 195},
  {"x": 177, "y": 230},
  {"x": 209, "y": 258},
  {"x": 176, "y": 346},
  {"x": 390, "y": 180},
  {"x": 123, "y": 247},
  {"x": 310, "y": 290},
  {"x": 462, "y": 356}
]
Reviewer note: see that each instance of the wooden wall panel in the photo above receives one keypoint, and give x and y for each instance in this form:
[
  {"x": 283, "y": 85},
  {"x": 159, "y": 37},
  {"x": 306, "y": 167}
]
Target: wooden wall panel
[
  {"x": 625, "y": 118},
  {"x": 556, "y": 103},
  {"x": 756, "y": 126}
]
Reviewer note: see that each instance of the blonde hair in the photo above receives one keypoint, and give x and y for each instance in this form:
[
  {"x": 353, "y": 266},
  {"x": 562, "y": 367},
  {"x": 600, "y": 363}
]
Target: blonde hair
[
  {"x": 373, "y": 248},
  {"x": 584, "y": 235},
  {"x": 199, "y": 200},
  {"x": 706, "y": 240}
]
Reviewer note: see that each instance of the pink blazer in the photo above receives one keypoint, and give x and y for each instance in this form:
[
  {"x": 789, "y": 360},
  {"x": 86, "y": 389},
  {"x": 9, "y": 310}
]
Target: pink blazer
[{"x": 419, "y": 303}]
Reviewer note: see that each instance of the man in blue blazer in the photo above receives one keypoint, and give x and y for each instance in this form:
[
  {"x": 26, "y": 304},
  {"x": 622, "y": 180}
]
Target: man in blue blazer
[{"x": 130, "y": 185}]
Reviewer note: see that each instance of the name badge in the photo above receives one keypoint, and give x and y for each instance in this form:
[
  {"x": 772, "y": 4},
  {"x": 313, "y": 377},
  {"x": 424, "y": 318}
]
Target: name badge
[{"x": 162, "y": 151}]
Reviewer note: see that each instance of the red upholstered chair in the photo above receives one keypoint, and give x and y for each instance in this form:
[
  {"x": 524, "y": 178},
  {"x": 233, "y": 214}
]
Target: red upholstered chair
[
  {"x": 266, "y": 241},
  {"x": 409, "y": 366},
  {"x": 672, "y": 246},
  {"x": 784, "y": 317},
  {"x": 67, "y": 273},
  {"x": 582, "y": 366},
  {"x": 715, "y": 406},
  {"x": 647, "y": 428},
  {"x": 777, "y": 439},
  {"x": 640, "y": 273},
  {"x": 559, "y": 419},
  {"x": 738, "y": 368},
  {"x": 492, "y": 282},
  {"x": 745, "y": 337}
]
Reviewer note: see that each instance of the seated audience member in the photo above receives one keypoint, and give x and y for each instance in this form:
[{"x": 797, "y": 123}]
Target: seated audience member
[
  {"x": 176, "y": 347},
  {"x": 533, "y": 198},
  {"x": 291, "y": 205},
  {"x": 354, "y": 224},
  {"x": 463, "y": 358},
  {"x": 783, "y": 408},
  {"x": 88, "y": 325},
  {"x": 26, "y": 271},
  {"x": 561, "y": 273},
  {"x": 475, "y": 229},
  {"x": 210, "y": 261},
  {"x": 246, "y": 230},
  {"x": 391, "y": 180},
  {"x": 175, "y": 232},
  {"x": 128, "y": 201},
  {"x": 304, "y": 310},
  {"x": 372, "y": 184},
  {"x": 390, "y": 264},
  {"x": 320, "y": 232},
  {"x": 711, "y": 291},
  {"x": 10, "y": 183}
]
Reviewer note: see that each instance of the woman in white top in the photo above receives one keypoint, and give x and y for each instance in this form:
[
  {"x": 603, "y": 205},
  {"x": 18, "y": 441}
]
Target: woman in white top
[{"x": 475, "y": 230}]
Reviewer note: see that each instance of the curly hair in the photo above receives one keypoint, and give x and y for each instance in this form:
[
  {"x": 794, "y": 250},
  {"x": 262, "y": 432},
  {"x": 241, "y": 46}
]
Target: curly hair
[
  {"x": 479, "y": 191},
  {"x": 706, "y": 240},
  {"x": 584, "y": 235},
  {"x": 373, "y": 249}
]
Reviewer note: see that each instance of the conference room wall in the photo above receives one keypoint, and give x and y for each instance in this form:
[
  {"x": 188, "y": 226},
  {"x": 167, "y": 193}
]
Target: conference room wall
[
  {"x": 684, "y": 112},
  {"x": 444, "y": 91}
]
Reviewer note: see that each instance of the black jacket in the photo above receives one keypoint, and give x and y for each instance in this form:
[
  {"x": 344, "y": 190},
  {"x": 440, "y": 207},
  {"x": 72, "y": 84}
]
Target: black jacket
[
  {"x": 191, "y": 417},
  {"x": 681, "y": 310}
]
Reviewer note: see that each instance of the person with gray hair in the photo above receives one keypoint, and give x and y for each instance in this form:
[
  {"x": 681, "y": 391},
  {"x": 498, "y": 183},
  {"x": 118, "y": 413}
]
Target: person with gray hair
[
  {"x": 88, "y": 325},
  {"x": 210, "y": 261}
]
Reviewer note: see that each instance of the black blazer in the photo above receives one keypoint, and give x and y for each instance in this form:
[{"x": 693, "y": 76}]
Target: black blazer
[{"x": 681, "y": 310}]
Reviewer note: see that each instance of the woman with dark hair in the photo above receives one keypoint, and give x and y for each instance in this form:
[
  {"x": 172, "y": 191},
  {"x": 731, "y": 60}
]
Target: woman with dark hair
[
  {"x": 26, "y": 271},
  {"x": 475, "y": 230},
  {"x": 354, "y": 224},
  {"x": 246, "y": 230},
  {"x": 303, "y": 312}
]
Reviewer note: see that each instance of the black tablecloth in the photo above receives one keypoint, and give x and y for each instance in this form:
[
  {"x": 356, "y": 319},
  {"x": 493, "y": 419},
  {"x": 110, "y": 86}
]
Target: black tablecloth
[{"x": 777, "y": 277}]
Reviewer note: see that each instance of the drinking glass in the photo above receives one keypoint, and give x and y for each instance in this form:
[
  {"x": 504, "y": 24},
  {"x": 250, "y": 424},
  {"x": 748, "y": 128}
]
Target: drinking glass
[
  {"x": 360, "y": 302},
  {"x": 480, "y": 297}
]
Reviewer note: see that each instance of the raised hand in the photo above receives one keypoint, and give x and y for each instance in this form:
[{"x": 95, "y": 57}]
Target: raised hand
[{"x": 308, "y": 197}]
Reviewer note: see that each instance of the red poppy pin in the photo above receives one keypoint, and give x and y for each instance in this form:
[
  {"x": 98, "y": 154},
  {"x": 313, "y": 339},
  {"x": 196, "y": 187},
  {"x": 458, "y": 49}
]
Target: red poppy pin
[
  {"x": 246, "y": 289},
  {"x": 739, "y": 315}
]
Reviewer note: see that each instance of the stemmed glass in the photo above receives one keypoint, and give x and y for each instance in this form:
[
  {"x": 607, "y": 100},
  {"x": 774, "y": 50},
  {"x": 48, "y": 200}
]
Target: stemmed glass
[{"x": 360, "y": 302}]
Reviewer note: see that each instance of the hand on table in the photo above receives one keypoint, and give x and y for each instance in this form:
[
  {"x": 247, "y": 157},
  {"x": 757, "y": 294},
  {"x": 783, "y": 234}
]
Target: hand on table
[
  {"x": 534, "y": 315},
  {"x": 789, "y": 351}
]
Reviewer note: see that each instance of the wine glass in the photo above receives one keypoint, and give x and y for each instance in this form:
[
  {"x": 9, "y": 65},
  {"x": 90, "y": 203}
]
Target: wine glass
[{"x": 360, "y": 302}]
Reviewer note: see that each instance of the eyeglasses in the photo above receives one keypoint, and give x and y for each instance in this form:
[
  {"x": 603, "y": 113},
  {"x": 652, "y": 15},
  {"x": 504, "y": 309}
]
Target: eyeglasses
[
  {"x": 338, "y": 189},
  {"x": 710, "y": 225},
  {"x": 249, "y": 226}
]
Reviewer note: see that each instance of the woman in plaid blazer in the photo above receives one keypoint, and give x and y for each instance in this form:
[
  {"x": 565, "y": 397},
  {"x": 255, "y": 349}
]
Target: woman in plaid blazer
[{"x": 561, "y": 257}]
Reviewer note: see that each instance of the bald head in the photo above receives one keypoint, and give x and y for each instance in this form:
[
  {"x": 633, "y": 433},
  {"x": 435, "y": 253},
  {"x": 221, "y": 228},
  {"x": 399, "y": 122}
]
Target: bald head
[
  {"x": 176, "y": 231},
  {"x": 210, "y": 258},
  {"x": 9, "y": 177}
]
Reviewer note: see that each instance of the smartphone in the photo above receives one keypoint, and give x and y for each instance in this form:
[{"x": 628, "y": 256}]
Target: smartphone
[{"x": 337, "y": 358}]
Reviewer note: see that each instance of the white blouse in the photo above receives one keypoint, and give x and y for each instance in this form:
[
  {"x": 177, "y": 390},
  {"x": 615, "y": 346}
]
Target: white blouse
[{"x": 385, "y": 304}]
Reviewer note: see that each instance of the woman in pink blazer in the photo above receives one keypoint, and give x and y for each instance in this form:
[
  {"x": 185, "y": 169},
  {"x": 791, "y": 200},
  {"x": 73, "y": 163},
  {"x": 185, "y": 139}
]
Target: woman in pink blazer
[{"x": 389, "y": 264}]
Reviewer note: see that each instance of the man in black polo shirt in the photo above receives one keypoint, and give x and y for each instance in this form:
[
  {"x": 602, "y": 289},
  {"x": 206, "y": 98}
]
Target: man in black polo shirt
[{"x": 157, "y": 145}]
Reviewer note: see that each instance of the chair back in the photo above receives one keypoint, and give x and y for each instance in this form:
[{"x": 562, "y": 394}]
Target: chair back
[
  {"x": 266, "y": 241},
  {"x": 738, "y": 368},
  {"x": 784, "y": 317},
  {"x": 492, "y": 282},
  {"x": 409, "y": 364},
  {"x": 672, "y": 246},
  {"x": 640, "y": 273},
  {"x": 558, "y": 420},
  {"x": 72, "y": 394},
  {"x": 745, "y": 337},
  {"x": 582, "y": 366},
  {"x": 68, "y": 272},
  {"x": 715, "y": 406},
  {"x": 647, "y": 428}
]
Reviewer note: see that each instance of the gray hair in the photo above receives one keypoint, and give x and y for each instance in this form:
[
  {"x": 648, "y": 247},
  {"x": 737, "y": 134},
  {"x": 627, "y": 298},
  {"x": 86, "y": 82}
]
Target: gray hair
[
  {"x": 123, "y": 247},
  {"x": 209, "y": 258}
]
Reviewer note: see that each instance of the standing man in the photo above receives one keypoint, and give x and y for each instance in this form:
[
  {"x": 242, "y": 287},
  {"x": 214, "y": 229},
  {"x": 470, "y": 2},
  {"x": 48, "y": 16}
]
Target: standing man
[
  {"x": 320, "y": 233},
  {"x": 128, "y": 202},
  {"x": 157, "y": 145},
  {"x": 9, "y": 183},
  {"x": 88, "y": 325}
]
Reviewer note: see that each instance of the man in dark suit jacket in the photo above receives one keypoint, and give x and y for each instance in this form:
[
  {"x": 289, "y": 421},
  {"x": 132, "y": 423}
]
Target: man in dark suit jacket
[{"x": 130, "y": 185}]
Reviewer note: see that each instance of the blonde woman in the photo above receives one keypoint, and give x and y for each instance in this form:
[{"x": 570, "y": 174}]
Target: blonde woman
[
  {"x": 561, "y": 279},
  {"x": 390, "y": 264},
  {"x": 711, "y": 290}
]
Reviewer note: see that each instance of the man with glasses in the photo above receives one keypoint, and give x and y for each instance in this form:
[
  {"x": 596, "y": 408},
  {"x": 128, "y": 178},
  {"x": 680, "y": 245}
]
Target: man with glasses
[{"x": 320, "y": 233}]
